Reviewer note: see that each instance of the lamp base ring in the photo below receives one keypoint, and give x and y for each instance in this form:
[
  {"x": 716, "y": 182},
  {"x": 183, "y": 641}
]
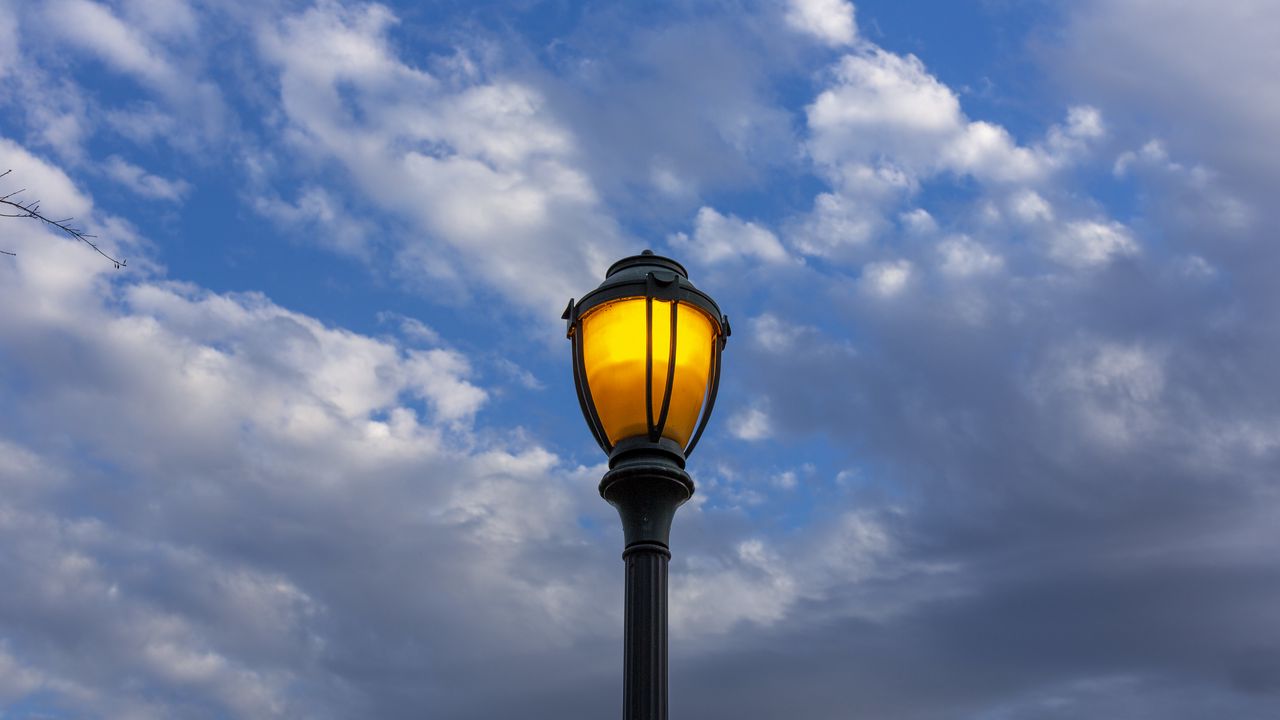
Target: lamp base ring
[{"x": 646, "y": 492}]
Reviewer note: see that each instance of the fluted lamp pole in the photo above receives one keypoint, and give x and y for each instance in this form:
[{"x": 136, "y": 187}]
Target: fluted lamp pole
[{"x": 646, "y": 365}]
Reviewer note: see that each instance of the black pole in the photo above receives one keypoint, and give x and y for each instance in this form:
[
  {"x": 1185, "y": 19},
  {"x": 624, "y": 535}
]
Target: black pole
[
  {"x": 646, "y": 484},
  {"x": 644, "y": 663}
]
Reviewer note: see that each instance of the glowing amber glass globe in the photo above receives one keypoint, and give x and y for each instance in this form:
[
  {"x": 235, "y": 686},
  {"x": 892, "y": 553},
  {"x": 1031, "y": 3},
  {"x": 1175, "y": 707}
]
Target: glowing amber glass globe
[
  {"x": 646, "y": 357},
  {"x": 614, "y": 355}
]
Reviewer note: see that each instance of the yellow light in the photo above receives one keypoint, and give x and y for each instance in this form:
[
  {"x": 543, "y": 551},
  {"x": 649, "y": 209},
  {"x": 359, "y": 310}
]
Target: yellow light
[{"x": 613, "y": 349}]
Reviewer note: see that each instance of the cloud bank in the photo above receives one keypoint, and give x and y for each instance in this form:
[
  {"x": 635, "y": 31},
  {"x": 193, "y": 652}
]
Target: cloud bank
[{"x": 998, "y": 435}]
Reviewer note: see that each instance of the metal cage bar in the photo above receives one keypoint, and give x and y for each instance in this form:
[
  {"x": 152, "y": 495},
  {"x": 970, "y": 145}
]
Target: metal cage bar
[
  {"x": 717, "y": 344},
  {"x": 648, "y": 361},
  {"x": 671, "y": 374},
  {"x": 584, "y": 390}
]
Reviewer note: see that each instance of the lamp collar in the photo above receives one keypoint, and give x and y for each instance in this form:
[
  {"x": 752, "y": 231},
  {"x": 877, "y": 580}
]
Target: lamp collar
[{"x": 644, "y": 263}]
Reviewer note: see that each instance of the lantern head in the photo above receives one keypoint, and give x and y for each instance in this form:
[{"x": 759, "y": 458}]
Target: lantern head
[{"x": 646, "y": 357}]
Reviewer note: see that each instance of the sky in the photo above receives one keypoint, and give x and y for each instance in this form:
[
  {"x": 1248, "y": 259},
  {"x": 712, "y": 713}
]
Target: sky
[{"x": 998, "y": 434}]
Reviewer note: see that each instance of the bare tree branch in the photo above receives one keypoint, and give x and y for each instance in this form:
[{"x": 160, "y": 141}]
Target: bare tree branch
[{"x": 31, "y": 209}]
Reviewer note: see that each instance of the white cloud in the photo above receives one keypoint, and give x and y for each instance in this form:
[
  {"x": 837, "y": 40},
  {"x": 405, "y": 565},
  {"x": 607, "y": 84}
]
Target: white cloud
[
  {"x": 918, "y": 221},
  {"x": 142, "y": 124},
  {"x": 761, "y": 581},
  {"x": 95, "y": 28},
  {"x": 347, "y": 375},
  {"x": 1152, "y": 152},
  {"x": 1084, "y": 125},
  {"x": 750, "y": 424},
  {"x": 884, "y": 126},
  {"x": 830, "y": 21},
  {"x": 157, "y": 44},
  {"x": 774, "y": 334},
  {"x": 488, "y": 177},
  {"x": 754, "y": 586},
  {"x": 16, "y": 680},
  {"x": 1090, "y": 243},
  {"x": 10, "y": 51},
  {"x": 412, "y": 328},
  {"x": 1112, "y": 390},
  {"x": 169, "y": 19},
  {"x": 881, "y": 104},
  {"x": 1127, "y": 371},
  {"x": 246, "y": 433},
  {"x": 144, "y": 183},
  {"x": 526, "y": 379},
  {"x": 962, "y": 256},
  {"x": 1030, "y": 207},
  {"x": 438, "y": 376},
  {"x": 55, "y": 189},
  {"x": 322, "y": 217},
  {"x": 886, "y": 279},
  {"x": 987, "y": 151},
  {"x": 669, "y": 181},
  {"x": 887, "y": 109},
  {"x": 718, "y": 238},
  {"x": 839, "y": 224},
  {"x": 785, "y": 480}
]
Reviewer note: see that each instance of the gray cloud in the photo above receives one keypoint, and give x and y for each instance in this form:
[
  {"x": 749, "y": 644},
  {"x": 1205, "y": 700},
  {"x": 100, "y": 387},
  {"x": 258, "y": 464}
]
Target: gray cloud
[
  {"x": 1202, "y": 80},
  {"x": 258, "y": 516}
]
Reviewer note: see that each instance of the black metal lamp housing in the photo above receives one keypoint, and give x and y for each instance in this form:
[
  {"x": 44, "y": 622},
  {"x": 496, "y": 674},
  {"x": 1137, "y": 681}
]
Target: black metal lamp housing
[
  {"x": 646, "y": 356},
  {"x": 646, "y": 366}
]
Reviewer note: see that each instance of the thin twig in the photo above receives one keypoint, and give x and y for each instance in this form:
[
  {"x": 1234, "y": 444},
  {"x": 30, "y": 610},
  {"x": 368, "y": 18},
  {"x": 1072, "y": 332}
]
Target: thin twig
[{"x": 32, "y": 210}]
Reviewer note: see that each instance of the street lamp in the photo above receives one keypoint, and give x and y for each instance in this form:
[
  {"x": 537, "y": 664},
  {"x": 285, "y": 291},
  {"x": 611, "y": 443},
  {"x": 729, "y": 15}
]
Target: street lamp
[{"x": 646, "y": 365}]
